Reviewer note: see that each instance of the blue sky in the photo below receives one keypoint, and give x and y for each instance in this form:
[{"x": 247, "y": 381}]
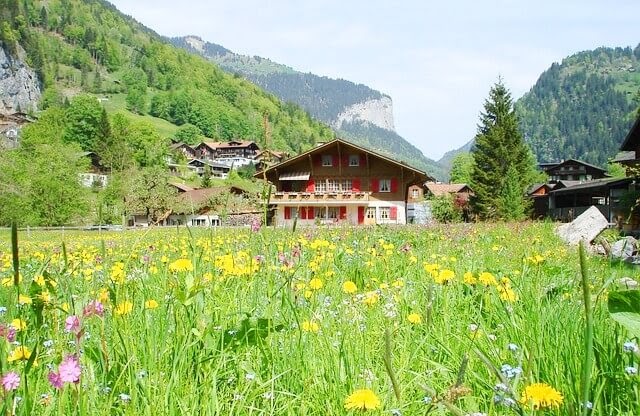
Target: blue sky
[{"x": 437, "y": 60}]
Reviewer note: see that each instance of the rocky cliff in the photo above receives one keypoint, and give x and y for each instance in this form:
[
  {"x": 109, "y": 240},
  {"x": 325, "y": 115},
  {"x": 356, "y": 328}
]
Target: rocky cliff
[
  {"x": 378, "y": 112},
  {"x": 19, "y": 85}
]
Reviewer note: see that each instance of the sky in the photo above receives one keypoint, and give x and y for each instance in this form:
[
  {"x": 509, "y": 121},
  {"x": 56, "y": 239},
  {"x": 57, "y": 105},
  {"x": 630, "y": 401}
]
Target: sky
[{"x": 436, "y": 59}]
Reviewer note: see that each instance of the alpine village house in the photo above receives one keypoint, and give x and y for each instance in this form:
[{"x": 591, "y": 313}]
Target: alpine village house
[{"x": 341, "y": 183}]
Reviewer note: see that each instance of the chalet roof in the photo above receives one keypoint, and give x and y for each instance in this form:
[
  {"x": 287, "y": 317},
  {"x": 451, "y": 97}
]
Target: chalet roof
[
  {"x": 574, "y": 161},
  {"x": 178, "y": 145},
  {"x": 537, "y": 186},
  {"x": 439, "y": 189},
  {"x": 228, "y": 145},
  {"x": 209, "y": 163},
  {"x": 633, "y": 137},
  {"x": 326, "y": 145},
  {"x": 594, "y": 185},
  {"x": 625, "y": 156}
]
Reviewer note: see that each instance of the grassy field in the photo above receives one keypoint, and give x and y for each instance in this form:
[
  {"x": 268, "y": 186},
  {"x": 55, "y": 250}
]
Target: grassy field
[{"x": 460, "y": 319}]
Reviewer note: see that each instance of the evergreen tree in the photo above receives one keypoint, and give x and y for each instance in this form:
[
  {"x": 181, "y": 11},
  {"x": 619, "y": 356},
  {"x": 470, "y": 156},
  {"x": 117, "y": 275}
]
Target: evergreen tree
[
  {"x": 461, "y": 168},
  {"x": 503, "y": 166}
]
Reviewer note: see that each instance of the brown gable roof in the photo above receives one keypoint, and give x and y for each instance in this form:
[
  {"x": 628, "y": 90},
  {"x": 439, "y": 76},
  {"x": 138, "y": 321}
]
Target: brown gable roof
[
  {"x": 228, "y": 145},
  {"x": 320, "y": 148},
  {"x": 439, "y": 189}
]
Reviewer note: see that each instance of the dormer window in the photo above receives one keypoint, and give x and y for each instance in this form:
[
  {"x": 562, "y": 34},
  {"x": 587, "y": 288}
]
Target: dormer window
[
  {"x": 354, "y": 160},
  {"x": 327, "y": 160}
]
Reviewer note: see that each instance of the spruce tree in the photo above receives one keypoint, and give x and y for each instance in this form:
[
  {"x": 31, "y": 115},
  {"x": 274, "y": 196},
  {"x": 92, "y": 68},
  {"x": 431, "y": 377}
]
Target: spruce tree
[{"x": 503, "y": 165}]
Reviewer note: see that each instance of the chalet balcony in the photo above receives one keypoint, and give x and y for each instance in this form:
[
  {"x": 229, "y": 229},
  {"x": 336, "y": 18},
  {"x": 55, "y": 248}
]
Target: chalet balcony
[{"x": 341, "y": 197}]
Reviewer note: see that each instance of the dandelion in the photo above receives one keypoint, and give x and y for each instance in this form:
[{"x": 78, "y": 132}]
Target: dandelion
[
  {"x": 541, "y": 396},
  {"x": 181, "y": 265},
  {"x": 363, "y": 399},
  {"x": 310, "y": 326},
  {"x": 414, "y": 318},
  {"x": 444, "y": 276},
  {"x": 24, "y": 300},
  {"x": 469, "y": 278},
  {"x": 315, "y": 284},
  {"x": 150, "y": 304},
  {"x": 20, "y": 353},
  {"x": 124, "y": 308},
  {"x": 10, "y": 381},
  {"x": 18, "y": 324},
  {"x": 512, "y": 347},
  {"x": 371, "y": 298},
  {"x": 487, "y": 279},
  {"x": 124, "y": 398},
  {"x": 349, "y": 287}
]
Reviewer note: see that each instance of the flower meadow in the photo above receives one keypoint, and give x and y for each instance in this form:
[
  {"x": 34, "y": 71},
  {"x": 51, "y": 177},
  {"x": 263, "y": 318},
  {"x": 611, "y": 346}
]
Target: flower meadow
[{"x": 483, "y": 319}]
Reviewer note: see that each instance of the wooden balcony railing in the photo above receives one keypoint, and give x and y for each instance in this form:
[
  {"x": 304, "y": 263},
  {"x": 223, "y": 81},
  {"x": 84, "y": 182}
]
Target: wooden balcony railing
[{"x": 319, "y": 196}]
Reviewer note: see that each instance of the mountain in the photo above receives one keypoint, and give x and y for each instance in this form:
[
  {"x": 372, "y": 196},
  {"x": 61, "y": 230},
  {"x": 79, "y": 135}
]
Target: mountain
[
  {"x": 580, "y": 108},
  {"x": 76, "y": 47},
  {"x": 355, "y": 111},
  {"x": 583, "y": 107}
]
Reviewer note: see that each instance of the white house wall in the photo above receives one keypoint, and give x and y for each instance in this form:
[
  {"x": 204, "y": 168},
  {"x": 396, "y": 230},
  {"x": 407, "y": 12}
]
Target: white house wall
[{"x": 352, "y": 214}]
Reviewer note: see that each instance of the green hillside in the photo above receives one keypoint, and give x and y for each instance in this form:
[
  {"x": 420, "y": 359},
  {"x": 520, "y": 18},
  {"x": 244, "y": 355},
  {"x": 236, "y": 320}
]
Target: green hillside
[
  {"x": 583, "y": 107},
  {"x": 89, "y": 46}
]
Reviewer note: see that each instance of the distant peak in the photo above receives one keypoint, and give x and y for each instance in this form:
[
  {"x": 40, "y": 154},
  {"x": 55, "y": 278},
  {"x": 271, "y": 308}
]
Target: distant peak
[{"x": 195, "y": 42}]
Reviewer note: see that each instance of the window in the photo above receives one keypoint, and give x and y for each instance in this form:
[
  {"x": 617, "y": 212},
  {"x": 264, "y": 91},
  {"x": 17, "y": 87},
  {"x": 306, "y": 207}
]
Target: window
[
  {"x": 333, "y": 185},
  {"x": 321, "y": 185},
  {"x": 347, "y": 185},
  {"x": 327, "y": 160},
  {"x": 319, "y": 213},
  {"x": 294, "y": 212},
  {"x": 415, "y": 193},
  {"x": 354, "y": 160},
  {"x": 384, "y": 185},
  {"x": 371, "y": 213},
  {"x": 333, "y": 213},
  {"x": 385, "y": 213}
]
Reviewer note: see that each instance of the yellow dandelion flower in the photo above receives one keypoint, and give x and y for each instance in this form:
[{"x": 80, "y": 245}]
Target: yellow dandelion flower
[
  {"x": 20, "y": 353},
  {"x": 24, "y": 300},
  {"x": 414, "y": 318},
  {"x": 508, "y": 295},
  {"x": 384, "y": 286},
  {"x": 103, "y": 295},
  {"x": 308, "y": 294},
  {"x": 364, "y": 399},
  {"x": 371, "y": 298},
  {"x": 18, "y": 324},
  {"x": 310, "y": 326},
  {"x": 444, "y": 276},
  {"x": 349, "y": 287},
  {"x": 431, "y": 268},
  {"x": 124, "y": 308},
  {"x": 39, "y": 279},
  {"x": 469, "y": 278},
  {"x": 315, "y": 284},
  {"x": 45, "y": 297},
  {"x": 487, "y": 279},
  {"x": 398, "y": 284},
  {"x": 181, "y": 265},
  {"x": 541, "y": 396},
  {"x": 150, "y": 304},
  {"x": 65, "y": 307}
]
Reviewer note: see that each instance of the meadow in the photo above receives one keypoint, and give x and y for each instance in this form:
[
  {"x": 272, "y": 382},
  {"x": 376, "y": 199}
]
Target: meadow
[{"x": 483, "y": 319}]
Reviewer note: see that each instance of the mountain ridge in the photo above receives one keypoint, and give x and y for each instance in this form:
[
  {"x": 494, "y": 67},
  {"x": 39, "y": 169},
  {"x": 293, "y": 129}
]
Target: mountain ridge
[{"x": 353, "y": 110}]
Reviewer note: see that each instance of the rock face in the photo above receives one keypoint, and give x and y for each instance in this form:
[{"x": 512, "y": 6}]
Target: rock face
[
  {"x": 378, "y": 112},
  {"x": 586, "y": 227},
  {"x": 19, "y": 85}
]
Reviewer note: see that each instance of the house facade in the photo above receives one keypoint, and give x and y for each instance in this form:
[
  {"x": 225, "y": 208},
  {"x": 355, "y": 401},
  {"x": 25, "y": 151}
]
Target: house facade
[
  {"x": 341, "y": 183},
  {"x": 573, "y": 170},
  {"x": 235, "y": 152}
]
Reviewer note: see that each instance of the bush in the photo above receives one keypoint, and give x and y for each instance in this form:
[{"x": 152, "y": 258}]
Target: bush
[{"x": 445, "y": 209}]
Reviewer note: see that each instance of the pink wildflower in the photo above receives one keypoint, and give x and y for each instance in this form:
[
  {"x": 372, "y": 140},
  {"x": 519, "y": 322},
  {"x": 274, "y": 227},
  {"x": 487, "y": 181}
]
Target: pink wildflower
[
  {"x": 55, "y": 380},
  {"x": 69, "y": 369},
  {"x": 10, "y": 381},
  {"x": 255, "y": 225},
  {"x": 72, "y": 324},
  {"x": 94, "y": 307}
]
